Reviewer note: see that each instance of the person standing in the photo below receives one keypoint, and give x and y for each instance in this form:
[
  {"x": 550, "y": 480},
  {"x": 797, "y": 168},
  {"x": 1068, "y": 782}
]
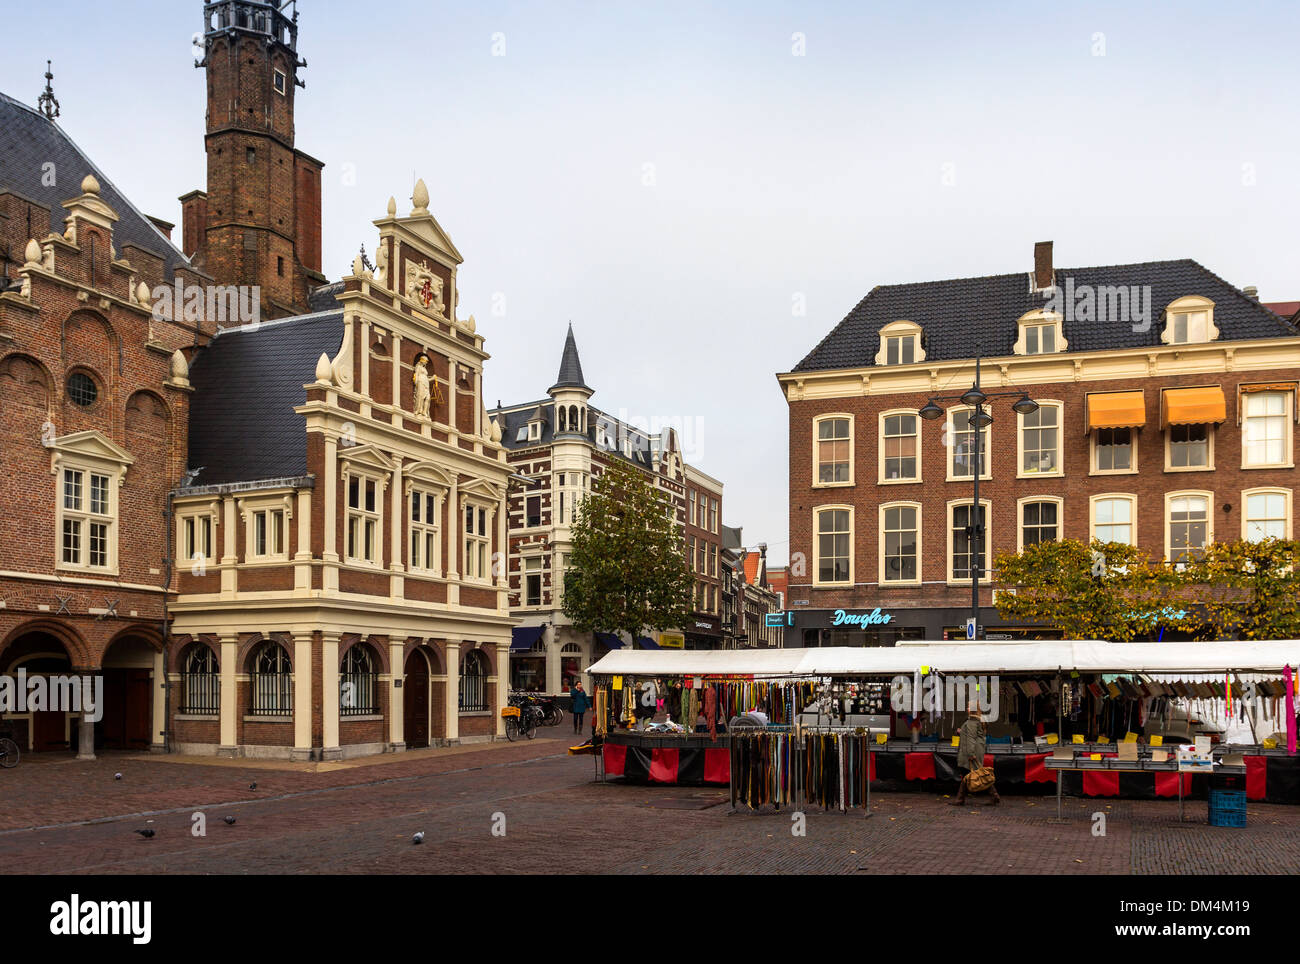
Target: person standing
[
  {"x": 581, "y": 703},
  {"x": 971, "y": 742}
]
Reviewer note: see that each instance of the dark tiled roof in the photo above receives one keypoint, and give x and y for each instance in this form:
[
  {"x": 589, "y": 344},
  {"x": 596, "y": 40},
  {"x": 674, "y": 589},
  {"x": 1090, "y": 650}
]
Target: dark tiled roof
[
  {"x": 516, "y": 417},
  {"x": 29, "y": 140},
  {"x": 969, "y": 316},
  {"x": 247, "y": 382},
  {"x": 732, "y": 537},
  {"x": 570, "y": 366},
  {"x": 325, "y": 298}
]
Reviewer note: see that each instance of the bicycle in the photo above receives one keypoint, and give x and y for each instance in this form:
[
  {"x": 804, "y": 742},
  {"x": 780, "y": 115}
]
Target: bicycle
[
  {"x": 520, "y": 721},
  {"x": 9, "y": 753}
]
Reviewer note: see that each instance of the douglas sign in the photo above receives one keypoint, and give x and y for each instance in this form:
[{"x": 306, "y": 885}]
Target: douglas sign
[{"x": 873, "y": 618}]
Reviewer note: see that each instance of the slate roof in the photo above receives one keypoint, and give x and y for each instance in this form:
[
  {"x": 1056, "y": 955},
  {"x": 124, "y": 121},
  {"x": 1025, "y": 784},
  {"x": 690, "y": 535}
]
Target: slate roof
[
  {"x": 570, "y": 366},
  {"x": 325, "y": 298},
  {"x": 28, "y": 140},
  {"x": 968, "y": 316},
  {"x": 514, "y": 417},
  {"x": 247, "y": 383},
  {"x": 732, "y": 537}
]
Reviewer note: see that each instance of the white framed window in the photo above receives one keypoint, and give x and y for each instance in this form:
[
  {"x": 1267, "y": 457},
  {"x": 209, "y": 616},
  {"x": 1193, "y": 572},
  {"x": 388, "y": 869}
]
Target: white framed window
[
  {"x": 87, "y": 519},
  {"x": 1189, "y": 525},
  {"x": 364, "y": 524},
  {"x": 1113, "y": 518},
  {"x": 196, "y": 538},
  {"x": 960, "y": 442},
  {"x": 522, "y": 434},
  {"x": 1189, "y": 448},
  {"x": 692, "y": 516},
  {"x": 713, "y": 560},
  {"x": 713, "y": 516},
  {"x": 968, "y": 540},
  {"x": 900, "y": 447},
  {"x": 424, "y": 511},
  {"x": 478, "y": 542},
  {"x": 1114, "y": 451},
  {"x": 1041, "y": 518},
  {"x": 557, "y": 580},
  {"x": 1265, "y": 514},
  {"x": 278, "y": 81},
  {"x": 266, "y": 534},
  {"x": 833, "y": 545},
  {"x": 1266, "y": 434},
  {"x": 900, "y": 344},
  {"x": 900, "y": 543},
  {"x": 1189, "y": 321},
  {"x": 535, "y": 431},
  {"x": 533, "y": 581},
  {"x": 690, "y": 552},
  {"x": 1040, "y": 440},
  {"x": 271, "y": 681},
  {"x": 833, "y": 450},
  {"x": 1039, "y": 333}
]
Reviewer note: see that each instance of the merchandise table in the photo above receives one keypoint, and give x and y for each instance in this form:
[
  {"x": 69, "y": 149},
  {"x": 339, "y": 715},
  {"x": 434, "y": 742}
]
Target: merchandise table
[{"x": 1111, "y": 764}]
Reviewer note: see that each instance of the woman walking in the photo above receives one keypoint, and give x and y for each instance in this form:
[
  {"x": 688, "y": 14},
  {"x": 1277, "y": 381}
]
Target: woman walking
[
  {"x": 970, "y": 753},
  {"x": 581, "y": 702}
]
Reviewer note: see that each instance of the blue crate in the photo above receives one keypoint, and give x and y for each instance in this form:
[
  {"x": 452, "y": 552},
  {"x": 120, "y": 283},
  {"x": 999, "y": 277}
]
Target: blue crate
[
  {"x": 1227, "y": 818},
  {"x": 1228, "y": 801}
]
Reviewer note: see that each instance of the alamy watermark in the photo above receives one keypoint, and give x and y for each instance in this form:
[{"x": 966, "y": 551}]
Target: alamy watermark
[
  {"x": 945, "y": 694},
  {"x": 1101, "y": 303},
  {"x": 21, "y": 693},
  {"x": 233, "y": 304}
]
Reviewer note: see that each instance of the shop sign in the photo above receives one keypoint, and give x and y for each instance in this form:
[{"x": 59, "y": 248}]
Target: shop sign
[
  {"x": 873, "y": 618},
  {"x": 778, "y": 619},
  {"x": 700, "y": 625},
  {"x": 672, "y": 640}
]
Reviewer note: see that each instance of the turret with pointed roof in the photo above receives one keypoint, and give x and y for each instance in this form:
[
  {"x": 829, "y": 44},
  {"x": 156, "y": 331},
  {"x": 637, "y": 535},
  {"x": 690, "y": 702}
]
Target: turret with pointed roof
[{"x": 570, "y": 368}]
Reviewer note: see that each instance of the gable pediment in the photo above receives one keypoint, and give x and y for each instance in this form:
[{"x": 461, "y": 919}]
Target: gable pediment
[{"x": 89, "y": 445}]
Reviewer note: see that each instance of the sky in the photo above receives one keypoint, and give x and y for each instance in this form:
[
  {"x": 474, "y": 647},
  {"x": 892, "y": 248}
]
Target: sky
[{"x": 704, "y": 191}]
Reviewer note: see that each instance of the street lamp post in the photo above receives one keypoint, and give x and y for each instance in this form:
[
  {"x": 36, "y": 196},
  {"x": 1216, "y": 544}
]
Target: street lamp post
[{"x": 975, "y": 397}]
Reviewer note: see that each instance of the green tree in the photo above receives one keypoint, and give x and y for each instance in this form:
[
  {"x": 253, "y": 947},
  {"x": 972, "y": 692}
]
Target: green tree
[
  {"x": 1105, "y": 590},
  {"x": 1246, "y": 590},
  {"x": 627, "y": 571}
]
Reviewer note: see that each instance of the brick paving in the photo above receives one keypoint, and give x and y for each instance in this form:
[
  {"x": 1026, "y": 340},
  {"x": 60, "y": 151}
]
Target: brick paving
[{"x": 64, "y": 816}]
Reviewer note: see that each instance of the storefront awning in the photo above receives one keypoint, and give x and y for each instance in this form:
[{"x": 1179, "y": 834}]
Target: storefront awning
[
  {"x": 523, "y": 637},
  {"x": 1116, "y": 410},
  {"x": 646, "y": 642},
  {"x": 609, "y": 641},
  {"x": 1193, "y": 406}
]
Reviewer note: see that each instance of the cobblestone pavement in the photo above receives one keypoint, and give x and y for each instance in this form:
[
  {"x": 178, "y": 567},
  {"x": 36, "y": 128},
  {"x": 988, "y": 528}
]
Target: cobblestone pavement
[{"x": 65, "y": 816}]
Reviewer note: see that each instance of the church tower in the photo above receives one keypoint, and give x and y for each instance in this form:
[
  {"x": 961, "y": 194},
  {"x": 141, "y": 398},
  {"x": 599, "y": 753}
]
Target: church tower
[{"x": 259, "y": 222}]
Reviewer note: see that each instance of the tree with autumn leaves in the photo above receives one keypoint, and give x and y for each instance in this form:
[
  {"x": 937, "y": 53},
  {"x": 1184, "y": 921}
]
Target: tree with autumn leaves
[
  {"x": 1112, "y": 591},
  {"x": 627, "y": 571}
]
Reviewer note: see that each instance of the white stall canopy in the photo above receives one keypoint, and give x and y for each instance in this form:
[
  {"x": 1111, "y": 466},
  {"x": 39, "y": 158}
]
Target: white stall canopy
[{"x": 1030, "y": 656}]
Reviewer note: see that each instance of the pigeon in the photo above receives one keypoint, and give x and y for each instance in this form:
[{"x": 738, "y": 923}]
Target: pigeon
[
  {"x": 230, "y": 821},
  {"x": 147, "y": 832},
  {"x": 418, "y": 838},
  {"x": 117, "y": 776},
  {"x": 252, "y": 786}
]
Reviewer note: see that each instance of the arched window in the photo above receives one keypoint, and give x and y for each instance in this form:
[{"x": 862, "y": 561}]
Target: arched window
[
  {"x": 200, "y": 681},
  {"x": 358, "y": 683},
  {"x": 271, "y": 681},
  {"x": 573, "y": 418},
  {"x": 473, "y": 682},
  {"x": 563, "y": 419}
]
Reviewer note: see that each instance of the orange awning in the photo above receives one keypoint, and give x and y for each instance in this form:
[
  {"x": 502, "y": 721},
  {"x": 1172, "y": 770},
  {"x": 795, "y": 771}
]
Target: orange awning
[
  {"x": 1194, "y": 406},
  {"x": 1116, "y": 410}
]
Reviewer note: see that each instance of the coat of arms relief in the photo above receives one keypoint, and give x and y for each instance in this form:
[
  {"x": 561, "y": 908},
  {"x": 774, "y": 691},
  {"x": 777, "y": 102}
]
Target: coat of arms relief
[{"x": 424, "y": 286}]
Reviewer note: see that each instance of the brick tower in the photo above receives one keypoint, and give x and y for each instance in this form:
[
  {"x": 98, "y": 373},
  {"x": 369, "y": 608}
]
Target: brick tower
[{"x": 259, "y": 222}]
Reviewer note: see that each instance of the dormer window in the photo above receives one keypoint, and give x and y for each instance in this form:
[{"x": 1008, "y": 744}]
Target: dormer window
[
  {"x": 900, "y": 344},
  {"x": 534, "y": 431},
  {"x": 1189, "y": 321},
  {"x": 1040, "y": 334}
]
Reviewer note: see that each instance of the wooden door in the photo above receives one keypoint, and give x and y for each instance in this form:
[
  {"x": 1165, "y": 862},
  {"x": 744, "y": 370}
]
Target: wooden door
[
  {"x": 49, "y": 731},
  {"x": 415, "y": 700},
  {"x": 128, "y": 710}
]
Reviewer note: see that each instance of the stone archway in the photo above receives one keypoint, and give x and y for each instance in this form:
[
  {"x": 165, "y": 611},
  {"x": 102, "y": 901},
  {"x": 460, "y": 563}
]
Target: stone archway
[
  {"x": 37, "y": 652},
  {"x": 127, "y": 720}
]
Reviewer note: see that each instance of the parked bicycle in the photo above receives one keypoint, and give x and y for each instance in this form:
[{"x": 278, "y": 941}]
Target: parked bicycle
[
  {"x": 522, "y": 718},
  {"x": 549, "y": 711},
  {"x": 9, "y": 753}
]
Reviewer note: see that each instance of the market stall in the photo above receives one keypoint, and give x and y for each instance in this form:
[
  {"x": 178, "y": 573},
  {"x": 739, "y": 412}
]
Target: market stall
[{"x": 812, "y": 741}]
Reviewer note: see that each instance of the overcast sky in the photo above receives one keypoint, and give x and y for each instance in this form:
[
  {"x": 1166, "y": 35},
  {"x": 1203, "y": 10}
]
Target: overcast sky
[{"x": 674, "y": 181}]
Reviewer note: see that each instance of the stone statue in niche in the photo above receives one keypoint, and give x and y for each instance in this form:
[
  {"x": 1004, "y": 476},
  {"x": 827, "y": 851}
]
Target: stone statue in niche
[
  {"x": 424, "y": 286},
  {"x": 381, "y": 263},
  {"x": 423, "y": 392}
]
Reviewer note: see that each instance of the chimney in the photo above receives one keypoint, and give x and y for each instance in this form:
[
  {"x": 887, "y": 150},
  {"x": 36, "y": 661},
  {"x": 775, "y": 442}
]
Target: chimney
[
  {"x": 1251, "y": 292},
  {"x": 1043, "y": 265}
]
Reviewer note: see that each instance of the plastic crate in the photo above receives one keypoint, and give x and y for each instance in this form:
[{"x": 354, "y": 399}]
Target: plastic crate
[
  {"x": 1227, "y": 818},
  {"x": 1228, "y": 801}
]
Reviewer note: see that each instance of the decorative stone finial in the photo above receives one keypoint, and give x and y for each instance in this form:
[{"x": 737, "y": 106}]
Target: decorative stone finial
[
  {"x": 32, "y": 252},
  {"x": 89, "y": 185},
  {"x": 358, "y": 267},
  {"x": 471, "y": 325},
  {"x": 143, "y": 295},
  {"x": 494, "y": 430},
  {"x": 180, "y": 367},
  {"x": 323, "y": 369},
  {"x": 392, "y": 207},
  {"x": 420, "y": 198}
]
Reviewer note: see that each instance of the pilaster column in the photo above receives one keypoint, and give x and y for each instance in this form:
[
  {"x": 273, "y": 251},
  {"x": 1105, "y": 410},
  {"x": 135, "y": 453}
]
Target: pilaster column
[
  {"x": 553, "y": 661},
  {"x": 302, "y": 558},
  {"x": 397, "y": 561},
  {"x": 502, "y": 688},
  {"x": 451, "y": 396},
  {"x": 330, "y": 555},
  {"x": 363, "y": 349},
  {"x": 329, "y": 697},
  {"x": 454, "y": 514},
  {"x": 396, "y": 697},
  {"x": 229, "y": 698},
  {"x": 302, "y": 704},
  {"x": 159, "y": 702},
  {"x": 452, "y": 702},
  {"x": 85, "y": 727},
  {"x": 229, "y": 575}
]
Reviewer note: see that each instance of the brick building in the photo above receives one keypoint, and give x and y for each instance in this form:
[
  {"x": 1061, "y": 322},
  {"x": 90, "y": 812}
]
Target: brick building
[
  {"x": 1166, "y": 417},
  {"x": 558, "y": 445},
  {"x": 259, "y": 221},
  {"x": 94, "y": 407}
]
